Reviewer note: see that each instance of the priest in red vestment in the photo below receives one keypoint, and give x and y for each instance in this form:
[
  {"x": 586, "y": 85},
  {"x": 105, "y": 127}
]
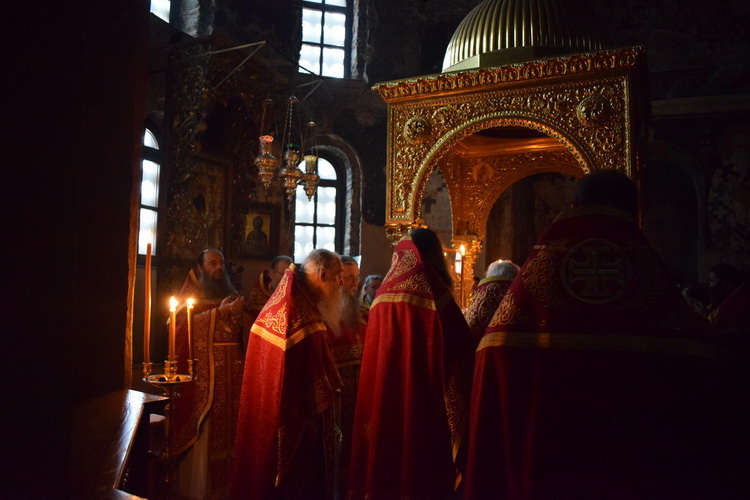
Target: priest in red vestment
[
  {"x": 347, "y": 343},
  {"x": 264, "y": 286},
  {"x": 594, "y": 380},
  {"x": 205, "y": 414},
  {"x": 414, "y": 382},
  {"x": 488, "y": 294},
  {"x": 285, "y": 446}
]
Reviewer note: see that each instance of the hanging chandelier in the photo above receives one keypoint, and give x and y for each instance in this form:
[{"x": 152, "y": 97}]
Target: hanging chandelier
[
  {"x": 296, "y": 144},
  {"x": 266, "y": 161}
]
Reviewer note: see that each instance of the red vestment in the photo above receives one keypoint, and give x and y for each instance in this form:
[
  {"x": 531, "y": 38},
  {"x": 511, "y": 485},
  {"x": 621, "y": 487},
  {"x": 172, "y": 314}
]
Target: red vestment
[
  {"x": 413, "y": 390},
  {"x": 347, "y": 352},
  {"x": 214, "y": 394},
  {"x": 594, "y": 380},
  {"x": 487, "y": 296},
  {"x": 285, "y": 439},
  {"x": 259, "y": 295}
]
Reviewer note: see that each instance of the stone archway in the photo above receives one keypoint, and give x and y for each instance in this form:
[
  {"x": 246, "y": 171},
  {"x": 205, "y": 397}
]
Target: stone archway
[{"x": 586, "y": 108}]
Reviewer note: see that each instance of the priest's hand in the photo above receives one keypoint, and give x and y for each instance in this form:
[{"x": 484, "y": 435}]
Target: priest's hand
[{"x": 232, "y": 307}]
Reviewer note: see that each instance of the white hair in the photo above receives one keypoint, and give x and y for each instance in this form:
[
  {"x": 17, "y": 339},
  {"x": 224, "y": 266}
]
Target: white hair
[{"x": 503, "y": 268}]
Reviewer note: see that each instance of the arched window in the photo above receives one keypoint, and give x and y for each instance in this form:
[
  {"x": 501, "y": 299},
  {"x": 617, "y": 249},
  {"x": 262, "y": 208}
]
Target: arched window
[
  {"x": 150, "y": 166},
  {"x": 161, "y": 8},
  {"x": 315, "y": 224},
  {"x": 326, "y": 37}
]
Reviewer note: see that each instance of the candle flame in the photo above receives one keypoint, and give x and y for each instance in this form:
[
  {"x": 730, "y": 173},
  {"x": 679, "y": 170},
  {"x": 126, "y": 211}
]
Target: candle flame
[
  {"x": 172, "y": 303},
  {"x": 462, "y": 249},
  {"x": 190, "y": 302}
]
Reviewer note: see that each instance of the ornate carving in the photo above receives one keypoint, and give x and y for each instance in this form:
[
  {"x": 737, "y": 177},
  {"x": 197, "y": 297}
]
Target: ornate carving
[
  {"x": 593, "y": 111},
  {"x": 417, "y": 129},
  {"x": 477, "y": 182},
  {"x": 581, "y": 101},
  {"x": 195, "y": 213},
  {"x": 472, "y": 249},
  {"x": 209, "y": 85},
  {"x": 586, "y": 120},
  {"x": 188, "y": 99},
  {"x": 577, "y": 65}
]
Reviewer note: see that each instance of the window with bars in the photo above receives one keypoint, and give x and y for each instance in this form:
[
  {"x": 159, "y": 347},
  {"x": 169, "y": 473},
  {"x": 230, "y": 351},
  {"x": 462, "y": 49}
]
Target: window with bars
[
  {"x": 326, "y": 37},
  {"x": 150, "y": 166},
  {"x": 315, "y": 220}
]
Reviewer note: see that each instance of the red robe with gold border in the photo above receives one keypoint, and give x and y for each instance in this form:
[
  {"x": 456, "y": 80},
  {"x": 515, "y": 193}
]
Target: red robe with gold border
[
  {"x": 285, "y": 433},
  {"x": 413, "y": 390},
  {"x": 347, "y": 351},
  {"x": 486, "y": 298},
  {"x": 594, "y": 380},
  {"x": 215, "y": 391}
]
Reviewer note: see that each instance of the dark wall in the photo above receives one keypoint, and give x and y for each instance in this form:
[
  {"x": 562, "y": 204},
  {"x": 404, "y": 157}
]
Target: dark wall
[
  {"x": 76, "y": 114},
  {"x": 695, "y": 48}
]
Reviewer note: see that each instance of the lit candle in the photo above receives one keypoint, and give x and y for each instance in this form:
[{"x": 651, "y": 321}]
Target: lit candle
[
  {"x": 190, "y": 304},
  {"x": 172, "y": 326},
  {"x": 462, "y": 250},
  {"x": 147, "y": 308}
]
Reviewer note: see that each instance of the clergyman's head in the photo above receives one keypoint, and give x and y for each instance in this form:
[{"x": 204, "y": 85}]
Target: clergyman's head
[
  {"x": 431, "y": 250},
  {"x": 349, "y": 276},
  {"x": 214, "y": 278},
  {"x": 371, "y": 285},
  {"x": 504, "y": 268},
  {"x": 322, "y": 275},
  {"x": 278, "y": 265},
  {"x": 610, "y": 188},
  {"x": 321, "y": 272},
  {"x": 350, "y": 313}
]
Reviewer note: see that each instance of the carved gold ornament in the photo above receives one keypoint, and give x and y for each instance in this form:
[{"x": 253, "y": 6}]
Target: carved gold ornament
[{"x": 581, "y": 106}]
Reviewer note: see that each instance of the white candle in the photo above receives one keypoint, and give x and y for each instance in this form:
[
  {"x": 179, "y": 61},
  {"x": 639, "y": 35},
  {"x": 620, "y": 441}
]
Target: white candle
[
  {"x": 147, "y": 308},
  {"x": 190, "y": 305},
  {"x": 462, "y": 250},
  {"x": 172, "y": 327}
]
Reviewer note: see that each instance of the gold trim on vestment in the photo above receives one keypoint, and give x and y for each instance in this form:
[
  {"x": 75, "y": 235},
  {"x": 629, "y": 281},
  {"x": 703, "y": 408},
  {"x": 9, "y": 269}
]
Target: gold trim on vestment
[
  {"x": 405, "y": 297},
  {"x": 611, "y": 343},
  {"x": 286, "y": 343}
]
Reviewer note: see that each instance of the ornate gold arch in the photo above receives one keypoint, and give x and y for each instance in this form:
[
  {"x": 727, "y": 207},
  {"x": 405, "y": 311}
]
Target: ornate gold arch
[{"x": 588, "y": 104}]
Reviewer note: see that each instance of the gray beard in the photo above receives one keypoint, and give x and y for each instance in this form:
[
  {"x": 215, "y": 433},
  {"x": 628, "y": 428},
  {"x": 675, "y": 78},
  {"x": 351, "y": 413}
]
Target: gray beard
[
  {"x": 330, "y": 310},
  {"x": 350, "y": 314},
  {"x": 217, "y": 288}
]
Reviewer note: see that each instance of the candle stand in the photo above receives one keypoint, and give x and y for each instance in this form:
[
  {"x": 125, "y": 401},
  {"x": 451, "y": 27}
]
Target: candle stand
[
  {"x": 472, "y": 247},
  {"x": 168, "y": 382}
]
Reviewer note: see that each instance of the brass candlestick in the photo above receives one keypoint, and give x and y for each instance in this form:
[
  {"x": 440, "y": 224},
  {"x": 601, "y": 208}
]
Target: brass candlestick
[
  {"x": 472, "y": 248},
  {"x": 168, "y": 382}
]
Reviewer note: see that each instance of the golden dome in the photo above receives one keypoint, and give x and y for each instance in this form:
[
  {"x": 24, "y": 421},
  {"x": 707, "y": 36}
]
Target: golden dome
[{"x": 498, "y": 32}]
